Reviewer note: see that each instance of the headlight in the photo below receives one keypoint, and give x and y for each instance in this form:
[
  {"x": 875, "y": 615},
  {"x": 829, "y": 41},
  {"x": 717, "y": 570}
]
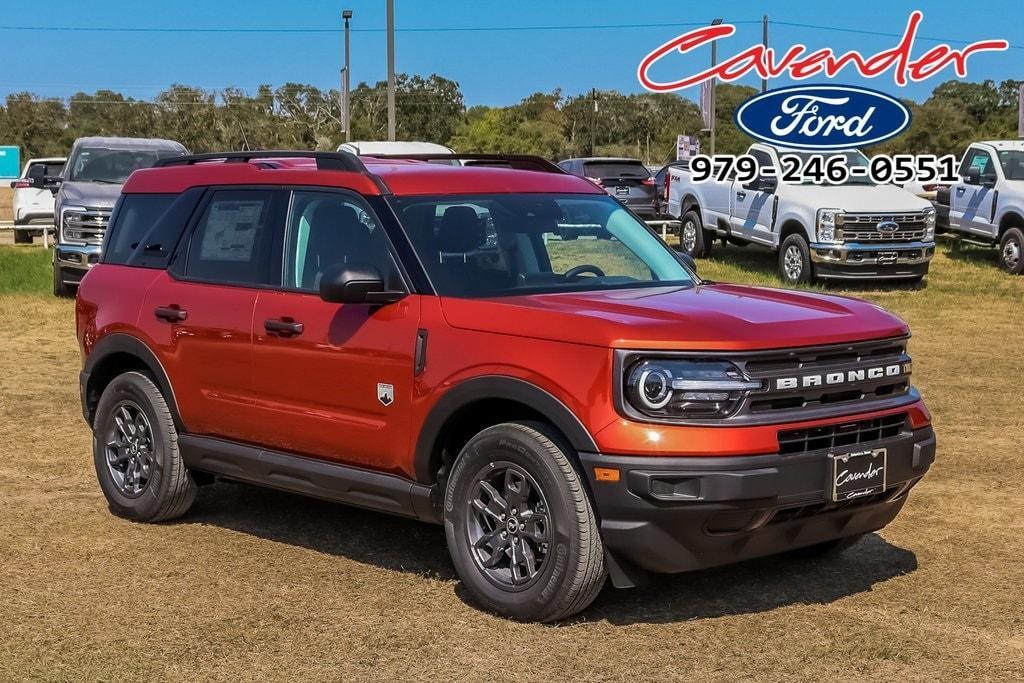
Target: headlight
[
  {"x": 828, "y": 221},
  {"x": 929, "y": 225},
  {"x": 668, "y": 388},
  {"x": 71, "y": 222}
]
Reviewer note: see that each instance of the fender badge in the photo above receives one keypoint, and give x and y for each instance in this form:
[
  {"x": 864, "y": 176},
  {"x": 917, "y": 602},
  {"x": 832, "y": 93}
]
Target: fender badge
[{"x": 385, "y": 394}]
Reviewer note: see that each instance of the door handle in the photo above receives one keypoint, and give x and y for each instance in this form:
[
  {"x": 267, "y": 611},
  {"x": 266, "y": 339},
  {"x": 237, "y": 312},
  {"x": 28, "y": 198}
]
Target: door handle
[
  {"x": 172, "y": 313},
  {"x": 283, "y": 327},
  {"x": 960, "y": 190},
  {"x": 741, "y": 196}
]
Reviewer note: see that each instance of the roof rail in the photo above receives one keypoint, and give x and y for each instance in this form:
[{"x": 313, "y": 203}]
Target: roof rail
[
  {"x": 325, "y": 161},
  {"x": 522, "y": 162}
]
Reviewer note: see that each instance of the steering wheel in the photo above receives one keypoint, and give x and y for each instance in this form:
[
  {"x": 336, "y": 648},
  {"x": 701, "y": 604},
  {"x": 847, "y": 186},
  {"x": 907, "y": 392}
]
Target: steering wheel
[{"x": 585, "y": 268}]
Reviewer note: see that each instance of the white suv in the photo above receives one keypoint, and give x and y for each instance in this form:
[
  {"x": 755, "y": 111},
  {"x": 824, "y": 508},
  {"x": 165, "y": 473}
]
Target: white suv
[{"x": 34, "y": 204}]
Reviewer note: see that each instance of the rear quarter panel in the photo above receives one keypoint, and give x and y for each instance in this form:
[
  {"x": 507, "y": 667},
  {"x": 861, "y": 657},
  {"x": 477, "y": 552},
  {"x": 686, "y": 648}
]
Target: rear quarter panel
[{"x": 109, "y": 299}]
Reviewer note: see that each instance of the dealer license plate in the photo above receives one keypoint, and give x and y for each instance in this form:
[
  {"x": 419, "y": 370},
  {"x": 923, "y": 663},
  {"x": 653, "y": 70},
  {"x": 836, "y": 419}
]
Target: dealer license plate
[
  {"x": 887, "y": 257},
  {"x": 622, "y": 190},
  {"x": 855, "y": 475}
]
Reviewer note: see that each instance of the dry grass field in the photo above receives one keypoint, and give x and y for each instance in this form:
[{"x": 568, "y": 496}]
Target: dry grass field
[{"x": 260, "y": 585}]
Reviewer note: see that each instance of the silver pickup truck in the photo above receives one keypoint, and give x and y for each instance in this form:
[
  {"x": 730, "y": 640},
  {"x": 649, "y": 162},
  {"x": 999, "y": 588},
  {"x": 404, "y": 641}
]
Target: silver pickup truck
[{"x": 85, "y": 195}]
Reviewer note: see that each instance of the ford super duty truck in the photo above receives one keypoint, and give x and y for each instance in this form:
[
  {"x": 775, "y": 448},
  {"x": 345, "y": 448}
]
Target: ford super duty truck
[
  {"x": 849, "y": 231},
  {"x": 986, "y": 206}
]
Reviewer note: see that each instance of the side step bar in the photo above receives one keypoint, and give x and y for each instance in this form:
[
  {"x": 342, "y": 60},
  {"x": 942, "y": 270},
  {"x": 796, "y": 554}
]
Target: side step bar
[{"x": 308, "y": 476}]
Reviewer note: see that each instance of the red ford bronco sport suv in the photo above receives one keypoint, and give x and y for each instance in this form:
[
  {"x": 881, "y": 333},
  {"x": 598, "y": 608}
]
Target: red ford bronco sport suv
[{"x": 503, "y": 349}]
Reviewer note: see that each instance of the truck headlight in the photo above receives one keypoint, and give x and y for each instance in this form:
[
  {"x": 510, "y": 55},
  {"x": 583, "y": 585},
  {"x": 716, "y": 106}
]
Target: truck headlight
[
  {"x": 828, "y": 221},
  {"x": 929, "y": 225},
  {"x": 668, "y": 388}
]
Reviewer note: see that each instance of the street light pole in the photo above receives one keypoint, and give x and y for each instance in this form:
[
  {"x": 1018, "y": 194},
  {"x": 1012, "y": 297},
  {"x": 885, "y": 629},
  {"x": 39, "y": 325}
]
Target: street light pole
[
  {"x": 391, "y": 69},
  {"x": 714, "y": 95},
  {"x": 346, "y": 81},
  {"x": 764, "y": 42}
]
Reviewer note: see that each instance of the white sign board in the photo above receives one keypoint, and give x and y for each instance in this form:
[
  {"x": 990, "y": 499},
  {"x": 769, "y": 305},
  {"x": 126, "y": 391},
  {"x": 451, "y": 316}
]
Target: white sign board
[{"x": 687, "y": 147}]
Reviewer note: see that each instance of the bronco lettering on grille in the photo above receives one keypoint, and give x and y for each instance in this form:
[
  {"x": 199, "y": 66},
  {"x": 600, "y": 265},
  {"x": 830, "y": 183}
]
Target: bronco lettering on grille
[{"x": 834, "y": 378}]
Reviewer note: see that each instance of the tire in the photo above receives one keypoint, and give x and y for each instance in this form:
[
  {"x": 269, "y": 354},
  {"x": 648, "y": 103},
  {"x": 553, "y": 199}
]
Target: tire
[
  {"x": 571, "y": 570},
  {"x": 693, "y": 238},
  {"x": 22, "y": 236},
  {"x": 795, "y": 261},
  {"x": 61, "y": 290},
  {"x": 158, "y": 491},
  {"x": 1011, "y": 251},
  {"x": 826, "y": 549}
]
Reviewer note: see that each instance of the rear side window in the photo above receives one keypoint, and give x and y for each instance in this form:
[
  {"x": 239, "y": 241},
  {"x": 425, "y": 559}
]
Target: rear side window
[
  {"x": 136, "y": 216},
  {"x": 615, "y": 169},
  {"x": 237, "y": 239}
]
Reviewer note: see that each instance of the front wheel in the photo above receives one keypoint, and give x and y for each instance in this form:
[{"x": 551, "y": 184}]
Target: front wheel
[
  {"x": 61, "y": 290},
  {"x": 795, "y": 260},
  {"x": 1011, "y": 251},
  {"x": 520, "y": 527}
]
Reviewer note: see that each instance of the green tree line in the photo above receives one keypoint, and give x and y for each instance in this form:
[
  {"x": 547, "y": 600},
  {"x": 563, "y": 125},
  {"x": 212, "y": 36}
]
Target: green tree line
[{"x": 604, "y": 122}]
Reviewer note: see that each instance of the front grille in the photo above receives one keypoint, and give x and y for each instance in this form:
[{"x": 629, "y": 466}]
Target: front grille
[
  {"x": 841, "y": 435},
  {"x": 862, "y": 227},
  {"x": 86, "y": 226}
]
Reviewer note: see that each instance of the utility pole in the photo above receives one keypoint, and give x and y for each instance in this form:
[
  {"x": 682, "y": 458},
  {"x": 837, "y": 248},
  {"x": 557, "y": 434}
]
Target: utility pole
[
  {"x": 346, "y": 80},
  {"x": 391, "y": 69},
  {"x": 764, "y": 41},
  {"x": 714, "y": 95},
  {"x": 593, "y": 119}
]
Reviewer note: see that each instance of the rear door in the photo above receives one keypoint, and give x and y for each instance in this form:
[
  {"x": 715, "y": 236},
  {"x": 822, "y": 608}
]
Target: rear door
[
  {"x": 199, "y": 314},
  {"x": 339, "y": 385},
  {"x": 972, "y": 205}
]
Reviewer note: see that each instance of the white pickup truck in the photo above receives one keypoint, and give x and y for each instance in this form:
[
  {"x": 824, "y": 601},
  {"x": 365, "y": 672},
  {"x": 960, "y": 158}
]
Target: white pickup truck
[
  {"x": 850, "y": 231},
  {"x": 986, "y": 206}
]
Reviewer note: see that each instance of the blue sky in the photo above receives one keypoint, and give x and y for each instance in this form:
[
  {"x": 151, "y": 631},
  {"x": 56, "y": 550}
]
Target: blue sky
[{"x": 497, "y": 65}]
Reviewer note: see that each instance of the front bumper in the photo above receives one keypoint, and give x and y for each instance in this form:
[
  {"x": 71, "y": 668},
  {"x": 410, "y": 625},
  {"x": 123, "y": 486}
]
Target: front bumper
[
  {"x": 673, "y": 514},
  {"x": 849, "y": 260},
  {"x": 75, "y": 260}
]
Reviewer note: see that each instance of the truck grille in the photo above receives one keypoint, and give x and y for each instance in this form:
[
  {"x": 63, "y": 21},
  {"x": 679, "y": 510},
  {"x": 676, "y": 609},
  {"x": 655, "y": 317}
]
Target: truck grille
[
  {"x": 86, "y": 226},
  {"x": 863, "y": 227},
  {"x": 840, "y": 435}
]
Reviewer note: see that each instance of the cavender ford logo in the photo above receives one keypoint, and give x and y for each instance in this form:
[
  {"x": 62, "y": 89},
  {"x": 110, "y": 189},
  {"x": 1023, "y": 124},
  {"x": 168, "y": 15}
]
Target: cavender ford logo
[{"x": 835, "y": 378}]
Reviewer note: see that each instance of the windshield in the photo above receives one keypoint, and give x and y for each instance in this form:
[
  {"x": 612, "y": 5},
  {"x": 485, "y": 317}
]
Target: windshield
[
  {"x": 853, "y": 158},
  {"x": 1012, "y": 161},
  {"x": 511, "y": 244},
  {"x": 100, "y": 165}
]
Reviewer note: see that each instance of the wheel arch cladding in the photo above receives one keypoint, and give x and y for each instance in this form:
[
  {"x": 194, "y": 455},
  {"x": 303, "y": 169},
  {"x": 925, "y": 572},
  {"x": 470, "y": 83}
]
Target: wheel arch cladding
[
  {"x": 484, "y": 401},
  {"x": 114, "y": 355},
  {"x": 1011, "y": 219},
  {"x": 792, "y": 227}
]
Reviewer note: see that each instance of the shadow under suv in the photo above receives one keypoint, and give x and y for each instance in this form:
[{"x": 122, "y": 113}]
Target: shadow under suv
[{"x": 418, "y": 339}]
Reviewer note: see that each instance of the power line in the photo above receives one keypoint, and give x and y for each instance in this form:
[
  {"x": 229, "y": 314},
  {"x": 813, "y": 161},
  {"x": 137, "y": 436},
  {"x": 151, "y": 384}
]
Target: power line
[{"x": 884, "y": 34}]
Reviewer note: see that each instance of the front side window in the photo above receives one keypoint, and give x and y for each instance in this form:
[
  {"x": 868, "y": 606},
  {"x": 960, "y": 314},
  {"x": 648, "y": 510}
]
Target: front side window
[
  {"x": 327, "y": 229},
  {"x": 235, "y": 240},
  {"x": 979, "y": 159},
  {"x": 501, "y": 245}
]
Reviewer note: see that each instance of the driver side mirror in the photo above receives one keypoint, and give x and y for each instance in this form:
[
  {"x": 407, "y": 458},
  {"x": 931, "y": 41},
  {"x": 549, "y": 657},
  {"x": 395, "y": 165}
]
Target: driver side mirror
[
  {"x": 687, "y": 261},
  {"x": 763, "y": 184},
  {"x": 973, "y": 176},
  {"x": 356, "y": 284}
]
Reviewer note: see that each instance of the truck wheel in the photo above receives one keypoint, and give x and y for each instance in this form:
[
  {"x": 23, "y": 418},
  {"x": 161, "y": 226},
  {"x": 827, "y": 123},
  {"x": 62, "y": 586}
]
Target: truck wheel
[
  {"x": 135, "y": 451},
  {"x": 61, "y": 290},
  {"x": 693, "y": 239},
  {"x": 795, "y": 260},
  {"x": 1011, "y": 251},
  {"x": 520, "y": 528}
]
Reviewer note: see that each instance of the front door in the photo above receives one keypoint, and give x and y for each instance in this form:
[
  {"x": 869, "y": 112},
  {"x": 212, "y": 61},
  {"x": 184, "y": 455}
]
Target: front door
[
  {"x": 334, "y": 381},
  {"x": 971, "y": 204}
]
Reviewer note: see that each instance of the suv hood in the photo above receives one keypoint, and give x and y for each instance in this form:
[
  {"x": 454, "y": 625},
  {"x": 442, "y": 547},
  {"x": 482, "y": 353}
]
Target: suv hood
[
  {"x": 706, "y": 318},
  {"x": 98, "y": 195},
  {"x": 858, "y": 198}
]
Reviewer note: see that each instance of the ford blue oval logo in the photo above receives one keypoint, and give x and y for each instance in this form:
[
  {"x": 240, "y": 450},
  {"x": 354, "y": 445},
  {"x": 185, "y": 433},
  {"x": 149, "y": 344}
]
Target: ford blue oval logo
[{"x": 822, "y": 117}]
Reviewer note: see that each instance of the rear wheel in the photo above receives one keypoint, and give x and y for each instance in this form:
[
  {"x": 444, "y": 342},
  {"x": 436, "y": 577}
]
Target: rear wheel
[
  {"x": 22, "y": 236},
  {"x": 795, "y": 260},
  {"x": 693, "y": 238},
  {"x": 1011, "y": 251},
  {"x": 520, "y": 528},
  {"x": 135, "y": 451}
]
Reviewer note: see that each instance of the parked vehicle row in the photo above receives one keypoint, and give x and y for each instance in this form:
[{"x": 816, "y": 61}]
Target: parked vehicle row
[{"x": 420, "y": 339}]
